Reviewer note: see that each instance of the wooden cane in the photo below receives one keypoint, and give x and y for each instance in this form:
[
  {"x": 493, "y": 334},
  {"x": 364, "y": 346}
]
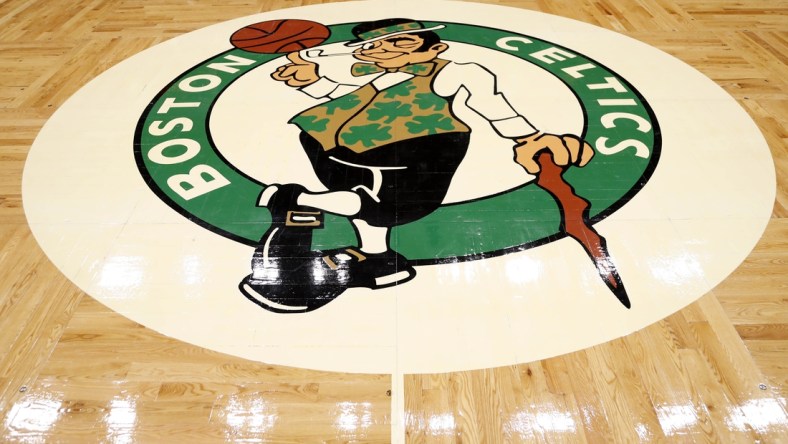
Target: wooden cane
[{"x": 577, "y": 225}]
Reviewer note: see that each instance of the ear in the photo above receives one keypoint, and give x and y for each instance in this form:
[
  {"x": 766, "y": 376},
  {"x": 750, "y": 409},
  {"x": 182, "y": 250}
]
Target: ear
[{"x": 439, "y": 47}]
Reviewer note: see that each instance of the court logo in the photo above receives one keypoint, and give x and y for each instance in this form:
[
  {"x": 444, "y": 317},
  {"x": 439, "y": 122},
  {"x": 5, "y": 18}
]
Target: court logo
[{"x": 383, "y": 125}]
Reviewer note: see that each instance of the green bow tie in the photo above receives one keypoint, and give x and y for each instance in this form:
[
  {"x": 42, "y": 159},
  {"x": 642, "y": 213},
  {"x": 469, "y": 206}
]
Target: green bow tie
[{"x": 418, "y": 69}]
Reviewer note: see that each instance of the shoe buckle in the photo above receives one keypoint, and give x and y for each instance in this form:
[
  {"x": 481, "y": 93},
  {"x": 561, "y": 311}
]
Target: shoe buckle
[
  {"x": 304, "y": 219},
  {"x": 357, "y": 254}
]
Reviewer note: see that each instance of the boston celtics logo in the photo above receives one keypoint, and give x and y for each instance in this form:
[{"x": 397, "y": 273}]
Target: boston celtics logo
[{"x": 387, "y": 116}]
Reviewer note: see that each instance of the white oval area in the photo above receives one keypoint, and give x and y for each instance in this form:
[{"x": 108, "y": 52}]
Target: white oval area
[{"x": 689, "y": 228}]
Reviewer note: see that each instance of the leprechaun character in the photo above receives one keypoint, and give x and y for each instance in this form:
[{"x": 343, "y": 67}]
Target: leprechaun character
[{"x": 386, "y": 144}]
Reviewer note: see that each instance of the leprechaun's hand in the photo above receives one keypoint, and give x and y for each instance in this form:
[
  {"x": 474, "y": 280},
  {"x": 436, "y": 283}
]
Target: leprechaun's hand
[
  {"x": 566, "y": 150},
  {"x": 297, "y": 73}
]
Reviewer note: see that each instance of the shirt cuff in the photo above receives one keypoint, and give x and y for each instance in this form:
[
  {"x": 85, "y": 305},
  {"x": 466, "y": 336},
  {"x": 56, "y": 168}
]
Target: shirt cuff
[
  {"x": 513, "y": 127},
  {"x": 322, "y": 88}
]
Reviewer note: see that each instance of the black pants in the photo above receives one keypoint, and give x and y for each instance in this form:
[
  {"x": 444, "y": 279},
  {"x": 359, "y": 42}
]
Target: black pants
[{"x": 402, "y": 181}]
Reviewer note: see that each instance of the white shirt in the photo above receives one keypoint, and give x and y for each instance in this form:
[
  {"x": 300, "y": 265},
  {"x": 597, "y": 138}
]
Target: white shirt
[{"x": 336, "y": 81}]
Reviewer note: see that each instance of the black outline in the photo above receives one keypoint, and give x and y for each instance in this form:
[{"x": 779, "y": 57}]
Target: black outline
[{"x": 618, "y": 204}]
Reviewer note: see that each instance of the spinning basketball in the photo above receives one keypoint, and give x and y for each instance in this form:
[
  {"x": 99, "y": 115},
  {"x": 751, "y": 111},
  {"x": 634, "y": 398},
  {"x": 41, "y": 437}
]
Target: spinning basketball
[{"x": 279, "y": 36}]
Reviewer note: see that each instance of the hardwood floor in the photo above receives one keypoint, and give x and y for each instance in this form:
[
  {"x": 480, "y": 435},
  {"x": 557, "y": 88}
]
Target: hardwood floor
[{"x": 72, "y": 370}]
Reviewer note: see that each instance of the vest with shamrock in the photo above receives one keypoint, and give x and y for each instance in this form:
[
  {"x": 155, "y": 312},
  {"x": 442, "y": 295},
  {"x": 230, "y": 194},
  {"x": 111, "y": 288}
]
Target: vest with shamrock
[{"x": 367, "y": 118}]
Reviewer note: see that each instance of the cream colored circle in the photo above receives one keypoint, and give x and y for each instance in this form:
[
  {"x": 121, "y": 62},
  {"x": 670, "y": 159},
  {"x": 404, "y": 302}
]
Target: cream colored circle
[{"x": 696, "y": 220}]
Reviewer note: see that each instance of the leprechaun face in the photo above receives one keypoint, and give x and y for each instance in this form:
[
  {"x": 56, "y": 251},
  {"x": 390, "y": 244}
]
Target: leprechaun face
[{"x": 397, "y": 51}]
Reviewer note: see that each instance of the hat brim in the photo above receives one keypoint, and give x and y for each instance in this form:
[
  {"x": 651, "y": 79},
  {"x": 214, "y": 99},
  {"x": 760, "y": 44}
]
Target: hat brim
[{"x": 381, "y": 37}]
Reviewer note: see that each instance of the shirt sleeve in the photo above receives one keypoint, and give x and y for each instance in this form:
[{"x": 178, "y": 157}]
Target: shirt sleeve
[
  {"x": 483, "y": 97},
  {"x": 334, "y": 69},
  {"x": 322, "y": 88}
]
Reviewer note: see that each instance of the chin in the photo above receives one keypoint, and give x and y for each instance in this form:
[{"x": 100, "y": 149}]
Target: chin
[{"x": 390, "y": 64}]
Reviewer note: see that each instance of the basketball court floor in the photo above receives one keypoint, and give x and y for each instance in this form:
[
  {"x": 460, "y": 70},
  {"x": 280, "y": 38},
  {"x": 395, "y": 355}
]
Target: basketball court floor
[{"x": 628, "y": 287}]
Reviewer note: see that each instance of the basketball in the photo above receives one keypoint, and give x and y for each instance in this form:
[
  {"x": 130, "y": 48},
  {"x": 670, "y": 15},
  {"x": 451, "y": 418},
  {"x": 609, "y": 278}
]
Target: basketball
[{"x": 279, "y": 36}]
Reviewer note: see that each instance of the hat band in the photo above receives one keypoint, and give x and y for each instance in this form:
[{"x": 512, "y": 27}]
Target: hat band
[
  {"x": 389, "y": 29},
  {"x": 385, "y": 35}
]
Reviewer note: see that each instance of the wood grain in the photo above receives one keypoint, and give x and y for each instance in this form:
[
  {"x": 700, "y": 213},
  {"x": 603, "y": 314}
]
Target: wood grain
[{"x": 73, "y": 371}]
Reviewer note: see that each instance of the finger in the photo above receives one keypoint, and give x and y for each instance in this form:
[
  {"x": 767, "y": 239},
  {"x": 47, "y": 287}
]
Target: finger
[
  {"x": 556, "y": 146},
  {"x": 303, "y": 75},
  {"x": 297, "y": 83},
  {"x": 524, "y": 155},
  {"x": 586, "y": 155},
  {"x": 280, "y": 77},
  {"x": 572, "y": 143},
  {"x": 277, "y": 74},
  {"x": 295, "y": 57},
  {"x": 289, "y": 71}
]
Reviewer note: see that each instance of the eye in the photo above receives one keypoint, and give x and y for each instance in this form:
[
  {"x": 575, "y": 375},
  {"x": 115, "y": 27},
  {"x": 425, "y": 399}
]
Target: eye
[
  {"x": 406, "y": 43},
  {"x": 369, "y": 45}
]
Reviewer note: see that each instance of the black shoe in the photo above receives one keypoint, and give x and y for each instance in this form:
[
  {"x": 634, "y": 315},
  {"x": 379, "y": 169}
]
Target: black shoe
[
  {"x": 292, "y": 285},
  {"x": 355, "y": 268},
  {"x": 305, "y": 283},
  {"x": 283, "y": 270}
]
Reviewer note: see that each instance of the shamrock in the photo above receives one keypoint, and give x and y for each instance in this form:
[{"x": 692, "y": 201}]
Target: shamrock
[
  {"x": 311, "y": 123},
  {"x": 427, "y": 101},
  {"x": 349, "y": 101},
  {"x": 402, "y": 89},
  {"x": 362, "y": 69},
  {"x": 431, "y": 124},
  {"x": 389, "y": 110},
  {"x": 366, "y": 134},
  {"x": 415, "y": 69}
]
